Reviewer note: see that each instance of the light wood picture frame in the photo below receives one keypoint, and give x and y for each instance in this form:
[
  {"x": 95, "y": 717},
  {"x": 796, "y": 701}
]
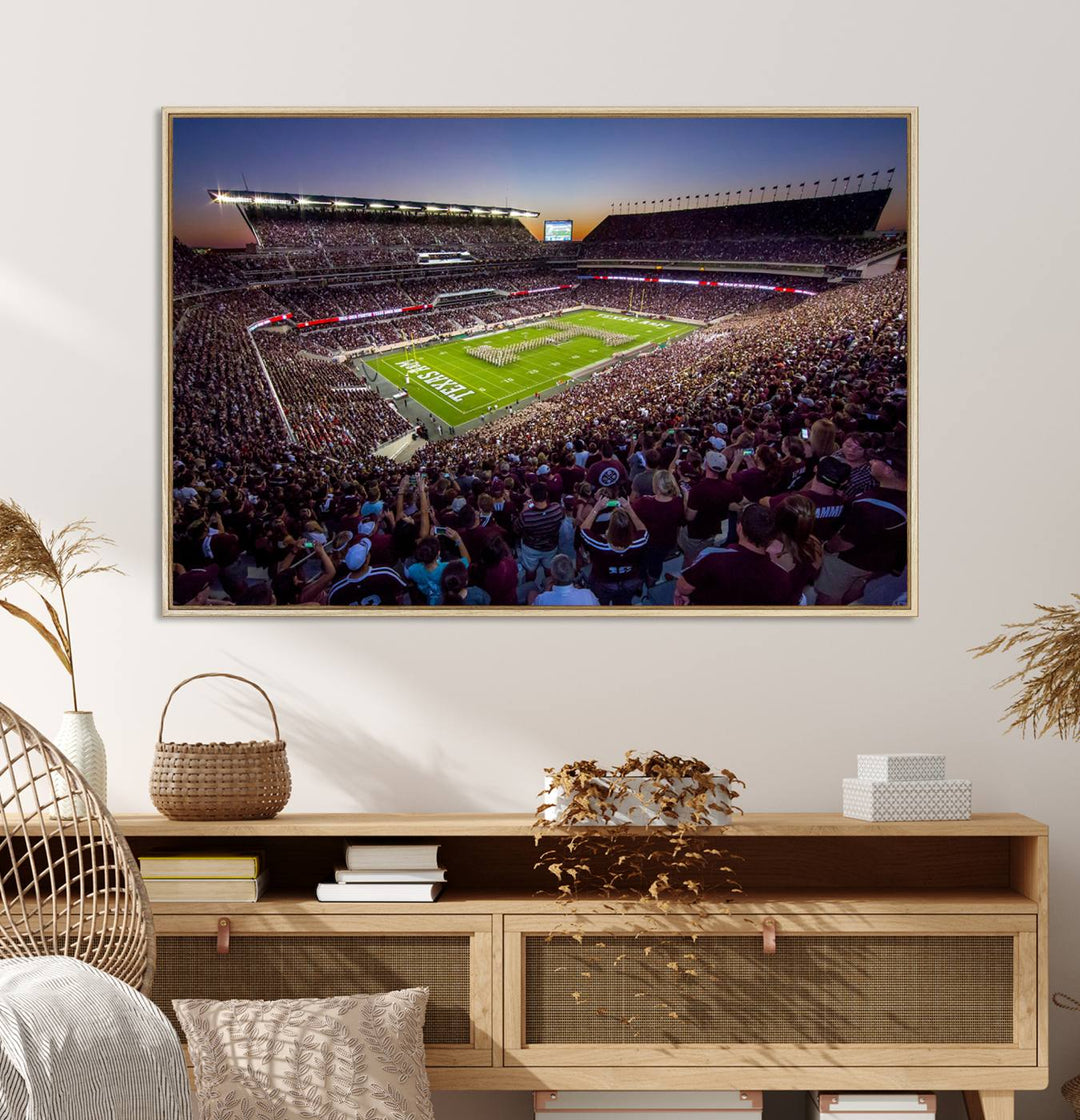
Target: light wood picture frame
[{"x": 326, "y": 255}]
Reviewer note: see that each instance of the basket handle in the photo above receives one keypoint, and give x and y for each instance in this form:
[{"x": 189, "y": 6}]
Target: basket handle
[{"x": 232, "y": 677}]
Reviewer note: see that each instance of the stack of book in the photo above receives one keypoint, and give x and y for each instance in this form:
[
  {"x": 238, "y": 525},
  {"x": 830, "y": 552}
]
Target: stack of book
[
  {"x": 906, "y": 787},
  {"x": 204, "y": 876},
  {"x": 386, "y": 873}
]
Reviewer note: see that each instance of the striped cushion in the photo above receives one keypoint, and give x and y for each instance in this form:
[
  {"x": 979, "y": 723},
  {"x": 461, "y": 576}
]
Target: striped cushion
[{"x": 75, "y": 1041}]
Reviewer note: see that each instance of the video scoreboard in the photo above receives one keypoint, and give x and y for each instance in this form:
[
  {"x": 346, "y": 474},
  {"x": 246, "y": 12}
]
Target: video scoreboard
[{"x": 560, "y": 230}]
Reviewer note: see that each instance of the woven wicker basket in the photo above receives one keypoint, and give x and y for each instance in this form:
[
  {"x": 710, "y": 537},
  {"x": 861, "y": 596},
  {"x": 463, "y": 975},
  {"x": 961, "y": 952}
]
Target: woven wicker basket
[{"x": 220, "y": 781}]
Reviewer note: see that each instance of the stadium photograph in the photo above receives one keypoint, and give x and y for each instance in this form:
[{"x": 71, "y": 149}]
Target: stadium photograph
[{"x": 578, "y": 362}]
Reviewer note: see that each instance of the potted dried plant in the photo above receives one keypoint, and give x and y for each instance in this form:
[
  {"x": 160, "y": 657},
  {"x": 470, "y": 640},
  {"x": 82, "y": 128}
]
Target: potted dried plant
[
  {"x": 1048, "y": 649},
  {"x": 47, "y": 565},
  {"x": 1048, "y": 701},
  {"x": 643, "y": 835}
]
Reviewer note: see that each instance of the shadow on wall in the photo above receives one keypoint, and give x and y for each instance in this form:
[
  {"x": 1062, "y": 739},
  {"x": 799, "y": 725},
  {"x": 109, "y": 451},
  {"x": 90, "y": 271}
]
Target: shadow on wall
[{"x": 365, "y": 774}]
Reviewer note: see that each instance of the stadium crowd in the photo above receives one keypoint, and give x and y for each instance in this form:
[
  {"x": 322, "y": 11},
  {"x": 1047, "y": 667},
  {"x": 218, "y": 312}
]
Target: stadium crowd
[
  {"x": 390, "y": 238},
  {"x": 701, "y": 304},
  {"x": 761, "y": 462},
  {"x": 778, "y": 250},
  {"x": 827, "y": 230}
]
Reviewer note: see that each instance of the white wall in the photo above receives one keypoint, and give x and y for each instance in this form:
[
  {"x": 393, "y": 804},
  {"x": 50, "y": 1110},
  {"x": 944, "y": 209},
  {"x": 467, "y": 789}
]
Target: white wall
[{"x": 463, "y": 714}]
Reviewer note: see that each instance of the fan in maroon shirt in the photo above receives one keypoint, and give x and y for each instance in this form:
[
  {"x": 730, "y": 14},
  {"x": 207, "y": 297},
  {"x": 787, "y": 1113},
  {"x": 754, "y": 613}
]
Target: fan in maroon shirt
[
  {"x": 763, "y": 475},
  {"x": 607, "y": 470},
  {"x": 364, "y": 585},
  {"x": 826, "y": 493},
  {"x": 709, "y": 501},
  {"x": 570, "y": 473},
  {"x": 498, "y": 572},
  {"x": 876, "y": 525},
  {"x": 742, "y": 576},
  {"x": 661, "y": 512}
]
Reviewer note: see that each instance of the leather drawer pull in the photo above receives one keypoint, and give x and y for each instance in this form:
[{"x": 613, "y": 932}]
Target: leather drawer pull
[
  {"x": 224, "y": 928},
  {"x": 768, "y": 936}
]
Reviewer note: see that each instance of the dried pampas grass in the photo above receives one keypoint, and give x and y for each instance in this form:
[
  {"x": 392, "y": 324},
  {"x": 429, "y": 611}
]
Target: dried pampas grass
[
  {"x": 1049, "y": 674},
  {"x": 54, "y": 561}
]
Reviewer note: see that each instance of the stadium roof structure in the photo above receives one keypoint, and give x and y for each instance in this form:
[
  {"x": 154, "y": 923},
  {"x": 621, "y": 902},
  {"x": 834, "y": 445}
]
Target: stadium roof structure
[{"x": 344, "y": 202}]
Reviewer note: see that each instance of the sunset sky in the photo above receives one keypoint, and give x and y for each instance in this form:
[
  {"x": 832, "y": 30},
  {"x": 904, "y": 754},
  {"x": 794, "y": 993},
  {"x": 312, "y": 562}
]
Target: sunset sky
[{"x": 564, "y": 167}]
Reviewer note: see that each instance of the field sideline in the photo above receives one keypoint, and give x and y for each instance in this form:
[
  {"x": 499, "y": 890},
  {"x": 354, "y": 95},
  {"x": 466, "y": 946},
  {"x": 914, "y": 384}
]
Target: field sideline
[{"x": 458, "y": 387}]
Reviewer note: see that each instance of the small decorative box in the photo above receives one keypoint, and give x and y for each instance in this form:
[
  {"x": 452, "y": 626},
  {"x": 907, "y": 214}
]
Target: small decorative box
[
  {"x": 947, "y": 800},
  {"x": 902, "y": 767}
]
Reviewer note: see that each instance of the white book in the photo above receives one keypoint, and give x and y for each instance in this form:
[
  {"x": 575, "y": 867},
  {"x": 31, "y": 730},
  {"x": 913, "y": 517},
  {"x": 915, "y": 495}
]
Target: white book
[
  {"x": 378, "y": 892},
  {"x": 395, "y": 875},
  {"x": 376, "y": 857}
]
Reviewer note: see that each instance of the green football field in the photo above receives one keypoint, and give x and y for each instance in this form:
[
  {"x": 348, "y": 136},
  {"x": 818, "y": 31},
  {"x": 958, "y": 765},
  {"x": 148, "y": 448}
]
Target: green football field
[{"x": 459, "y": 387}]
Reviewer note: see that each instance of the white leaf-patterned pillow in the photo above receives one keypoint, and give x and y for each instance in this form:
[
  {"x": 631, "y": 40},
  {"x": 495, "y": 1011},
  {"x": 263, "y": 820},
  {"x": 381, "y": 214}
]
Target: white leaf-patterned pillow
[{"x": 343, "y": 1058}]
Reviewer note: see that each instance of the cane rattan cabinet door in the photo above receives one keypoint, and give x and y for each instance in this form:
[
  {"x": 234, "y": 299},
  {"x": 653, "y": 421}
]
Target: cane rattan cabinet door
[
  {"x": 287, "y": 957},
  {"x": 845, "y": 990}
]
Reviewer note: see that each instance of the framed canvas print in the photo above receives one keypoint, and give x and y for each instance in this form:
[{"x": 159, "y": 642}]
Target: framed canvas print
[{"x": 611, "y": 362}]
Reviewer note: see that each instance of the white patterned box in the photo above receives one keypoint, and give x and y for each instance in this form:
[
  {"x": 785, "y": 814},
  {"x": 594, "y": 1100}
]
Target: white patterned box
[
  {"x": 902, "y": 767},
  {"x": 948, "y": 800}
]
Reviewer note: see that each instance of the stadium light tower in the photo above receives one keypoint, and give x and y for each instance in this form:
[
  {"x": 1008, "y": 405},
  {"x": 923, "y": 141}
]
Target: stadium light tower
[
  {"x": 817, "y": 183},
  {"x": 873, "y": 180},
  {"x": 788, "y": 195},
  {"x": 847, "y": 182},
  {"x": 889, "y": 172},
  {"x": 727, "y": 198},
  {"x": 802, "y": 188},
  {"x": 833, "y": 191}
]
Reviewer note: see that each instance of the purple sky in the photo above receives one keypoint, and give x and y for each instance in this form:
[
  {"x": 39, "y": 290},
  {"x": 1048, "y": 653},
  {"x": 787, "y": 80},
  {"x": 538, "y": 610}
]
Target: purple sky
[{"x": 565, "y": 167}]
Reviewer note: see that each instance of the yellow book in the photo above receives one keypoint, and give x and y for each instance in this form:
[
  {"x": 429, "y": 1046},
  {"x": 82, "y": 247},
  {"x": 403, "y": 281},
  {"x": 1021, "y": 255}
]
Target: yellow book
[
  {"x": 201, "y": 865},
  {"x": 206, "y": 890}
]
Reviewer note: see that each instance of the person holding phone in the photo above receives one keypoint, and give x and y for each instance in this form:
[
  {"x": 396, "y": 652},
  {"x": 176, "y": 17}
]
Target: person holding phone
[
  {"x": 427, "y": 569},
  {"x": 618, "y": 556},
  {"x": 758, "y": 473}
]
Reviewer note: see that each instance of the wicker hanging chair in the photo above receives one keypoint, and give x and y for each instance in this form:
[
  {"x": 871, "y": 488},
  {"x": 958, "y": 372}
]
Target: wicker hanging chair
[{"x": 69, "y": 885}]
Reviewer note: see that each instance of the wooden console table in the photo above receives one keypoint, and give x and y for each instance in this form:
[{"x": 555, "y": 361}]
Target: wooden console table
[{"x": 908, "y": 956}]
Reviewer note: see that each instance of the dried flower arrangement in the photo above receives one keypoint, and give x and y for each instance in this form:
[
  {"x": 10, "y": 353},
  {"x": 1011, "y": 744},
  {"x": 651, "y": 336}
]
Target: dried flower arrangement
[
  {"x": 593, "y": 852},
  {"x": 672, "y": 865},
  {"x": 1049, "y": 673},
  {"x": 55, "y": 561}
]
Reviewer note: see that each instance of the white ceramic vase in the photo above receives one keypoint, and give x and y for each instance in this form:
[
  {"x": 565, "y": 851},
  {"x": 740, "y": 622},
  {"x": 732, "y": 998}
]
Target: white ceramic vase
[{"x": 78, "y": 740}]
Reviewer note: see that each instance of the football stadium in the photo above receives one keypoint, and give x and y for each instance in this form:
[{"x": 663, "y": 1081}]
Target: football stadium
[
  {"x": 385, "y": 403},
  {"x": 464, "y": 379}
]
